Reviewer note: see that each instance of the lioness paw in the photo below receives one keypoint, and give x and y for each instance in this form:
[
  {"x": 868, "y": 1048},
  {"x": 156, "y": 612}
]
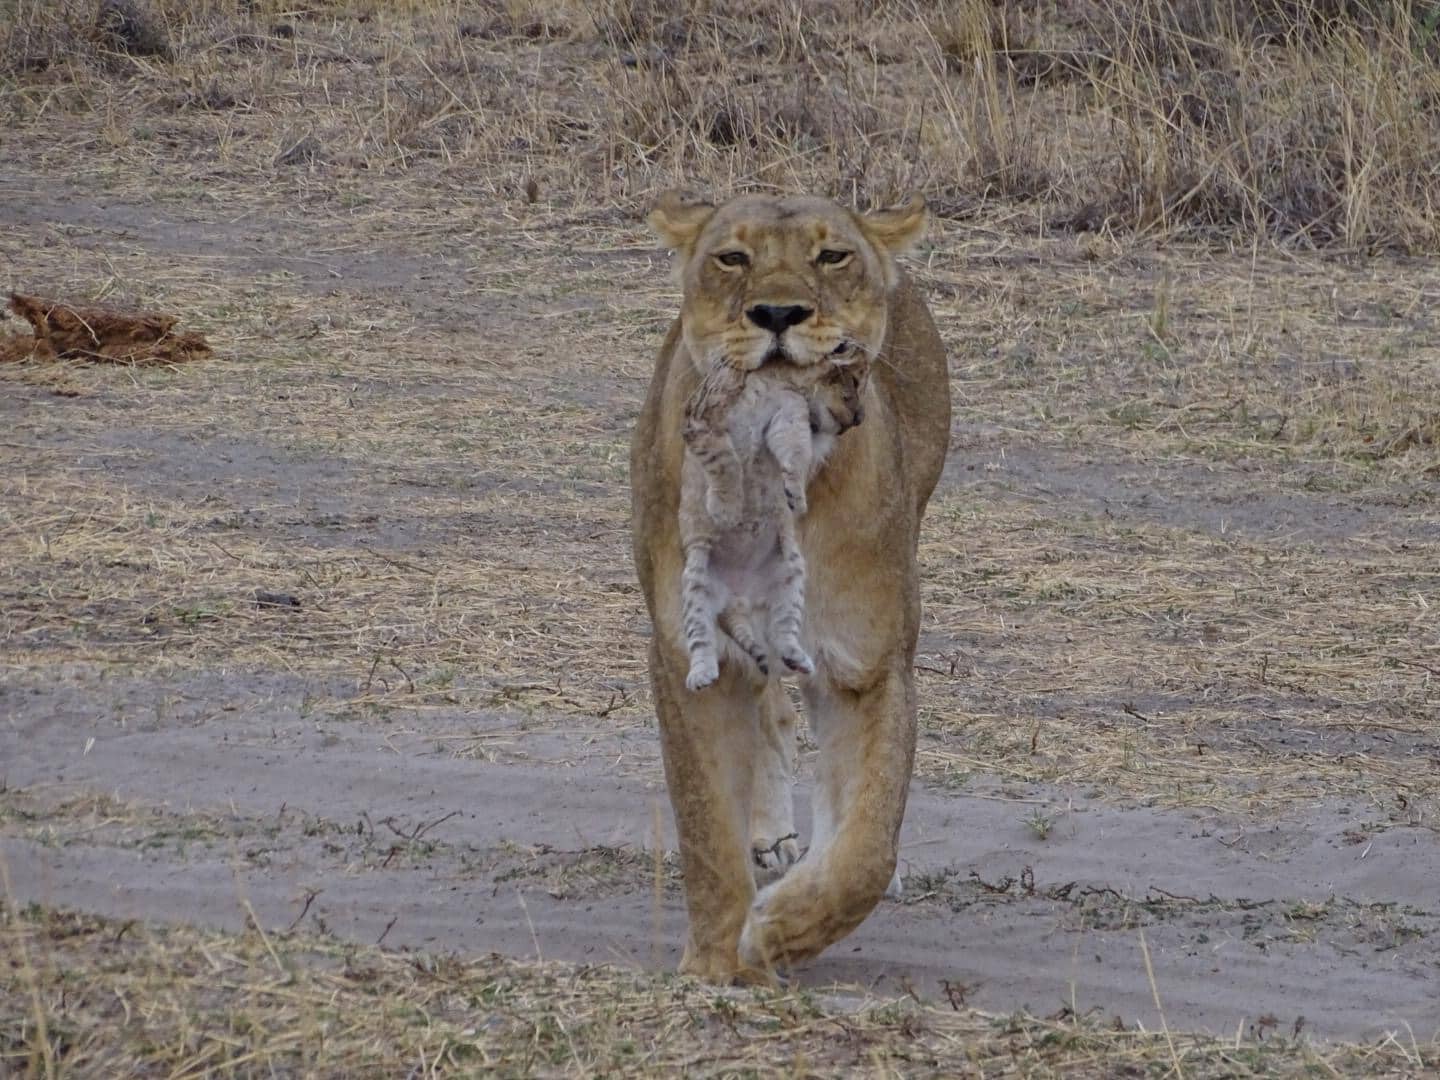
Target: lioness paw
[
  {"x": 703, "y": 671},
  {"x": 753, "y": 945}
]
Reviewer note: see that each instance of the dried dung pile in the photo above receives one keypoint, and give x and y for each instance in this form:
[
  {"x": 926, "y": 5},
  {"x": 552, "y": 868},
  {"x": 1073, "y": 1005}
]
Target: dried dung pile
[
  {"x": 62, "y": 331},
  {"x": 131, "y": 27}
]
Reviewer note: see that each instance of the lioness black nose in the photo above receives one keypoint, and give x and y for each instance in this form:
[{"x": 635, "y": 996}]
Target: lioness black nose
[{"x": 777, "y": 318}]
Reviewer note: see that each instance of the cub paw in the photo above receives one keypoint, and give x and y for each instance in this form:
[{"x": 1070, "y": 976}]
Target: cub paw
[
  {"x": 797, "y": 659},
  {"x": 795, "y": 499},
  {"x": 703, "y": 672}
]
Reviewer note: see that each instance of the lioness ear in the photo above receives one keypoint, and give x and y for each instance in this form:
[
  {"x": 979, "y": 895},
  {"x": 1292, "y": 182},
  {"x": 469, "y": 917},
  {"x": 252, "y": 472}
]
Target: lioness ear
[
  {"x": 899, "y": 229},
  {"x": 677, "y": 219}
]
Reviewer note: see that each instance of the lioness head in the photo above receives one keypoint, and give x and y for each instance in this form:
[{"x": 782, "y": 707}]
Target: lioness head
[{"x": 793, "y": 279}]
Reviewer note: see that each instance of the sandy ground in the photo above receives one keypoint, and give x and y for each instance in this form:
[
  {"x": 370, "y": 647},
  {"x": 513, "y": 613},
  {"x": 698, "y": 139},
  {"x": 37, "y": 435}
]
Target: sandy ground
[
  {"x": 544, "y": 855},
  {"x": 152, "y": 770}
]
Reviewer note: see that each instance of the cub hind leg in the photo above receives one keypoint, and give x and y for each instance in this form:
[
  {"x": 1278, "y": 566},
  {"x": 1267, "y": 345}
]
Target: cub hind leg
[
  {"x": 787, "y": 609},
  {"x": 697, "y": 617}
]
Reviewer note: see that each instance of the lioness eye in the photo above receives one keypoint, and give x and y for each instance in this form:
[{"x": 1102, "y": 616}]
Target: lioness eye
[
  {"x": 832, "y": 257},
  {"x": 733, "y": 258}
]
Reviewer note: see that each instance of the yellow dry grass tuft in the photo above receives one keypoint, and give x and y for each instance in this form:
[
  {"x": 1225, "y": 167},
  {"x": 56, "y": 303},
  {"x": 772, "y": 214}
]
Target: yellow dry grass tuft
[
  {"x": 1310, "y": 123},
  {"x": 129, "y": 998}
]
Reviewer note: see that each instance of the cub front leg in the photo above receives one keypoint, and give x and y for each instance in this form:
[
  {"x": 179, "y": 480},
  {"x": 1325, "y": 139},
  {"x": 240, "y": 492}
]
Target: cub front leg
[
  {"x": 788, "y": 438},
  {"x": 707, "y": 438},
  {"x": 724, "y": 494},
  {"x": 697, "y": 617}
]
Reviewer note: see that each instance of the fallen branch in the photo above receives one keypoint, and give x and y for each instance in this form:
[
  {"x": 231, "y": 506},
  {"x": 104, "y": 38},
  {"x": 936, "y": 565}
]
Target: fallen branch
[{"x": 60, "y": 331}]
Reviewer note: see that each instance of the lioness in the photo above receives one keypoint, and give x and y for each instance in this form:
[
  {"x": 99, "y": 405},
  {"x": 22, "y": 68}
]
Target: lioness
[{"x": 793, "y": 279}]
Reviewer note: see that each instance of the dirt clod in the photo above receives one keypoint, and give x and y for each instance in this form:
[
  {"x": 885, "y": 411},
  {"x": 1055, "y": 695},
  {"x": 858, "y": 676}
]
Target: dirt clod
[
  {"x": 62, "y": 331},
  {"x": 265, "y": 599}
]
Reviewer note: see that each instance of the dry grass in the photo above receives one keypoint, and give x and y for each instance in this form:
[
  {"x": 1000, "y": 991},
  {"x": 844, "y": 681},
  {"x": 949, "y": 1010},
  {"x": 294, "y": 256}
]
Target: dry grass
[
  {"x": 87, "y": 996},
  {"x": 1192, "y": 699},
  {"x": 1309, "y": 122},
  {"x": 1185, "y": 553}
]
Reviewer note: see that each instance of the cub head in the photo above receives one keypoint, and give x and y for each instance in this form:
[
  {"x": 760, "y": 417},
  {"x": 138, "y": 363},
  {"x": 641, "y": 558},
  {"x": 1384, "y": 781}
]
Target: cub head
[
  {"x": 837, "y": 403},
  {"x": 794, "y": 279}
]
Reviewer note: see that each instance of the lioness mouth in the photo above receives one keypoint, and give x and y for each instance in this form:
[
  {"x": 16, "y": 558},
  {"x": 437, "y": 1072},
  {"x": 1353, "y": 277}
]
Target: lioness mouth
[{"x": 776, "y": 355}]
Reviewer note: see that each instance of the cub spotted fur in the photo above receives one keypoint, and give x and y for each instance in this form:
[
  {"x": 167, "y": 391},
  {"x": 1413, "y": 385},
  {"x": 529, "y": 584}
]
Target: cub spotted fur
[{"x": 748, "y": 458}]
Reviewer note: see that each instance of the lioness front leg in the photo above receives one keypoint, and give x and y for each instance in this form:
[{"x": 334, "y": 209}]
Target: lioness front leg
[
  {"x": 825, "y": 800},
  {"x": 867, "y": 746},
  {"x": 774, "y": 842},
  {"x": 709, "y": 748}
]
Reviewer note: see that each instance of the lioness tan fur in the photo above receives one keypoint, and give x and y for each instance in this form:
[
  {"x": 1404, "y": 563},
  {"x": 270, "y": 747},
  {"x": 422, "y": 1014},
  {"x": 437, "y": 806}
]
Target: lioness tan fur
[{"x": 793, "y": 279}]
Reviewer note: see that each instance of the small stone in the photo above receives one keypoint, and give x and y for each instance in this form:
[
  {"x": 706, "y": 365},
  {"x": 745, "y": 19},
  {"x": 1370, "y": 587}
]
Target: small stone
[
  {"x": 287, "y": 601},
  {"x": 302, "y": 151}
]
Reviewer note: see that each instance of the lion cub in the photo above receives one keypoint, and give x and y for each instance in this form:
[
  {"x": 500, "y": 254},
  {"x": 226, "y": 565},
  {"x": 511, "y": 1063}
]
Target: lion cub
[{"x": 749, "y": 455}]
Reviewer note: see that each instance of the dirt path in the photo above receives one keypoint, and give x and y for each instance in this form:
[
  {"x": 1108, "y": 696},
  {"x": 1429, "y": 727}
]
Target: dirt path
[{"x": 330, "y": 827}]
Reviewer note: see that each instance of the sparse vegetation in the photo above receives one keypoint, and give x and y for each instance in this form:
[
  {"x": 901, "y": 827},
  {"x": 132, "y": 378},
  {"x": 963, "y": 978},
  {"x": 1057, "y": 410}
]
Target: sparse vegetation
[
  {"x": 1183, "y": 555},
  {"x": 1310, "y": 123},
  {"x": 1040, "y": 823}
]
